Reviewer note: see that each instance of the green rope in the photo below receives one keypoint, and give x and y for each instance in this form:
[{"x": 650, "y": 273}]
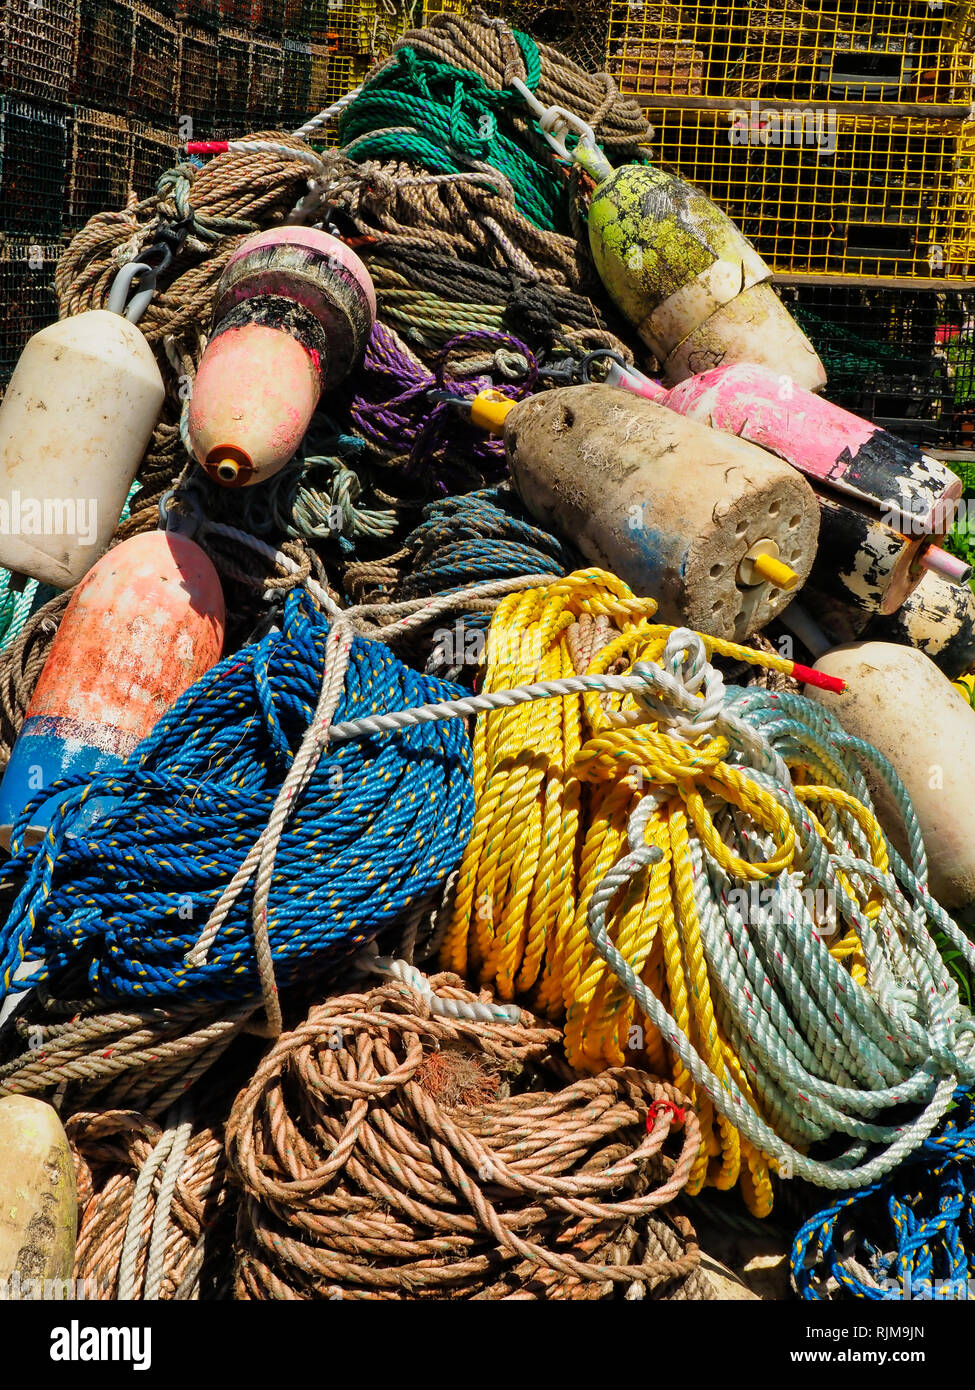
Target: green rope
[{"x": 443, "y": 118}]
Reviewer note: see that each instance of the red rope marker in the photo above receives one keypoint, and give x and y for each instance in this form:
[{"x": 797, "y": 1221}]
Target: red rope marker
[
  {"x": 677, "y": 1115},
  {"x": 808, "y": 676}
]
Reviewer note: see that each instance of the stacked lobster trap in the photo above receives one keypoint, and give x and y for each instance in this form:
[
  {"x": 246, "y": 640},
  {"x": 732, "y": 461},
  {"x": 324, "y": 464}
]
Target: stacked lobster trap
[
  {"x": 838, "y": 136},
  {"x": 96, "y": 96}
]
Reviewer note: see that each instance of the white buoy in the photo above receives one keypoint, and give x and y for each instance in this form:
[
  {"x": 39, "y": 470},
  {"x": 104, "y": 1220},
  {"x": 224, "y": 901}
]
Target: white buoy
[{"x": 74, "y": 424}]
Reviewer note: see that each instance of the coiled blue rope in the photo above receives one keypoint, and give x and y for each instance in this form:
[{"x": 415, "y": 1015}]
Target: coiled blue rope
[
  {"x": 908, "y": 1236},
  {"x": 381, "y": 823},
  {"x": 477, "y": 537}
]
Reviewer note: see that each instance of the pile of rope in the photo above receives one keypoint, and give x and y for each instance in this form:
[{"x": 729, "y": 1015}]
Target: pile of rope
[
  {"x": 696, "y": 878},
  {"x": 909, "y": 1237},
  {"x": 387, "y": 1152},
  {"x": 232, "y": 785},
  {"x": 138, "y": 1059},
  {"x": 155, "y": 1213}
]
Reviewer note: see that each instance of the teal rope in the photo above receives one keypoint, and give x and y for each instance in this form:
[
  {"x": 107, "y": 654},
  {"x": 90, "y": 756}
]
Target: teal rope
[
  {"x": 442, "y": 117},
  {"x": 822, "y": 1059}
]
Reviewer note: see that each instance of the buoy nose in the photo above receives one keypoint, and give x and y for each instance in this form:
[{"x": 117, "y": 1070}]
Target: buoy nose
[
  {"x": 939, "y": 561},
  {"x": 228, "y": 466},
  {"x": 762, "y": 563},
  {"x": 227, "y": 470}
]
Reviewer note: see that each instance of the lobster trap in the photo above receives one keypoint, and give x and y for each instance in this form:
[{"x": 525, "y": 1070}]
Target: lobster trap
[
  {"x": 38, "y": 48},
  {"x": 204, "y": 13},
  {"x": 264, "y": 83},
  {"x": 842, "y": 195},
  {"x": 27, "y": 298},
  {"x": 903, "y": 52},
  {"x": 33, "y": 167},
  {"x": 101, "y": 155},
  {"x": 296, "y": 69},
  {"x": 904, "y": 359},
  {"x": 197, "y": 76},
  {"x": 233, "y": 77},
  {"x": 334, "y": 75},
  {"x": 577, "y": 28},
  {"x": 361, "y": 28},
  {"x": 104, "y": 63},
  {"x": 155, "y": 67},
  {"x": 153, "y": 152}
]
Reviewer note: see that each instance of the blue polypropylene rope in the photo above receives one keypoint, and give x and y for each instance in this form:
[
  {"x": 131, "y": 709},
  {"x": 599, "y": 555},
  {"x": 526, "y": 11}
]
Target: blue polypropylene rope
[
  {"x": 480, "y": 536},
  {"x": 381, "y": 823},
  {"x": 908, "y": 1236}
]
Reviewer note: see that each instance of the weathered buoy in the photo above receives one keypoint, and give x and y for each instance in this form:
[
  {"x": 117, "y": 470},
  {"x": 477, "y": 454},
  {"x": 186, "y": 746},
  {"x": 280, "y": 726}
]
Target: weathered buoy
[
  {"x": 38, "y": 1199},
  {"x": 695, "y": 288},
  {"x": 293, "y": 310},
  {"x": 898, "y": 700},
  {"x": 74, "y": 423},
  {"x": 719, "y": 532},
  {"x": 144, "y": 624},
  {"x": 938, "y": 618},
  {"x": 886, "y": 505}
]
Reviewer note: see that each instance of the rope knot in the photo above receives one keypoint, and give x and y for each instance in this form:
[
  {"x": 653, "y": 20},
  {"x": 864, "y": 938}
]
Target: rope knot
[{"x": 673, "y": 686}]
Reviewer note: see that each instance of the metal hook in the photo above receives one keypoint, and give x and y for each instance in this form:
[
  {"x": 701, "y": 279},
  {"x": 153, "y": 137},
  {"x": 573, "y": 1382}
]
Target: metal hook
[{"x": 122, "y": 284}]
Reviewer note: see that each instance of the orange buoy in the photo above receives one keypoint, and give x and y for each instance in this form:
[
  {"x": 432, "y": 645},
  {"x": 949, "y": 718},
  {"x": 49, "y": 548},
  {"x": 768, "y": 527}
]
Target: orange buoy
[
  {"x": 294, "y": 308},
  {"x": 144, "y": 624}
]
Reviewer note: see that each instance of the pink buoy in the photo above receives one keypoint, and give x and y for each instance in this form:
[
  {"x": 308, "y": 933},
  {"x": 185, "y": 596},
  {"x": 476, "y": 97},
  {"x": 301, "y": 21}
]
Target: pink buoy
[
  {"x": 144, "y": 624},
  {"x": 294, "y": 308},
  {"x": 885, "y": 504}
]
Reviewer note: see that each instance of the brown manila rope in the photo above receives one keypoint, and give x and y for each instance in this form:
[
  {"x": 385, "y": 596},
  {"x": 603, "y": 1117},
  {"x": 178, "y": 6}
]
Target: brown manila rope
[{"x": 388, "y": 1153}]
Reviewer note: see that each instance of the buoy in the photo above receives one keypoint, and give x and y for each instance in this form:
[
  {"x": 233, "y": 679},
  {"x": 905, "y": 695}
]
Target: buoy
[
  {"x": 74, "y": 423},
  {"x": 38, "y": 1200},
  {"x": 886, "y": 504},
  {"x": 719, "y": 532},
  {"x": 144, "y": 624},
  {"x": 695, "y": 288},
  {"x": 293, "y": 310},
  {"x": 898, "y": 700},
  {"x": 938, "y": 618}
]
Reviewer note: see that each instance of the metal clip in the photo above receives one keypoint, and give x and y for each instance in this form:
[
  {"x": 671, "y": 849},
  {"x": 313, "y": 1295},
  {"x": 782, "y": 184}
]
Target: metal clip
[
  {"x": 555, "y": 122},
  {"x": 152, "y": 262}
]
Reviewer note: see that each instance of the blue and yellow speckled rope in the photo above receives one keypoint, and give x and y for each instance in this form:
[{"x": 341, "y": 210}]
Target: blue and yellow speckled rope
[
  {"x": 912, "y": 1232},
  {"x": 380, "y": 824}
]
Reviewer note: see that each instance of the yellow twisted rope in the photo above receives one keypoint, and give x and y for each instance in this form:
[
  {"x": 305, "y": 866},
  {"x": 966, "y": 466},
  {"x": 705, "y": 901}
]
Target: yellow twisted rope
[{"x": 555, "y": 783}]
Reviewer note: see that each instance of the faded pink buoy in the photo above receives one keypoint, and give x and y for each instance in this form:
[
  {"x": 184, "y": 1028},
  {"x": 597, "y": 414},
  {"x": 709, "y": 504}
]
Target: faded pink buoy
[
  {"x": 885, "y": 504},
  {"x": 144, "y": 624},
  {"x": 293, "y": 311}
]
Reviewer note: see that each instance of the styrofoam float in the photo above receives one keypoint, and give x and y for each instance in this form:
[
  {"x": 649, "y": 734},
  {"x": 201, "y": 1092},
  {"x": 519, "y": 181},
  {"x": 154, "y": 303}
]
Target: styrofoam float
[
  {"x": 718, "y": 531},
  {"x": 695, "y": 288},
  {"x": 885, "y": 503},
  {"x": 74, "y": 424},
  {"x": 898, "y": 700},
  {"x": 38, "y": 1198}
]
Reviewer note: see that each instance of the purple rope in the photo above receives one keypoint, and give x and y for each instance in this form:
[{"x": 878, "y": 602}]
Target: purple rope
[{"x": 391, "y": 408}]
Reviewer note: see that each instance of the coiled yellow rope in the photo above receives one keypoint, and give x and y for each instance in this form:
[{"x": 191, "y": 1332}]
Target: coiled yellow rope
[{"x": 556, "y": 782}]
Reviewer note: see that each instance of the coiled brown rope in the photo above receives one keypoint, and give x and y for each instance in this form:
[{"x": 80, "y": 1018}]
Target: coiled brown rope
[
  {"x": 141, "y": 1059},
  {"x": 386, "y": 1153},
  {"x": 180, "y": 1244},
  {"x": 487, "y": 47}
]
